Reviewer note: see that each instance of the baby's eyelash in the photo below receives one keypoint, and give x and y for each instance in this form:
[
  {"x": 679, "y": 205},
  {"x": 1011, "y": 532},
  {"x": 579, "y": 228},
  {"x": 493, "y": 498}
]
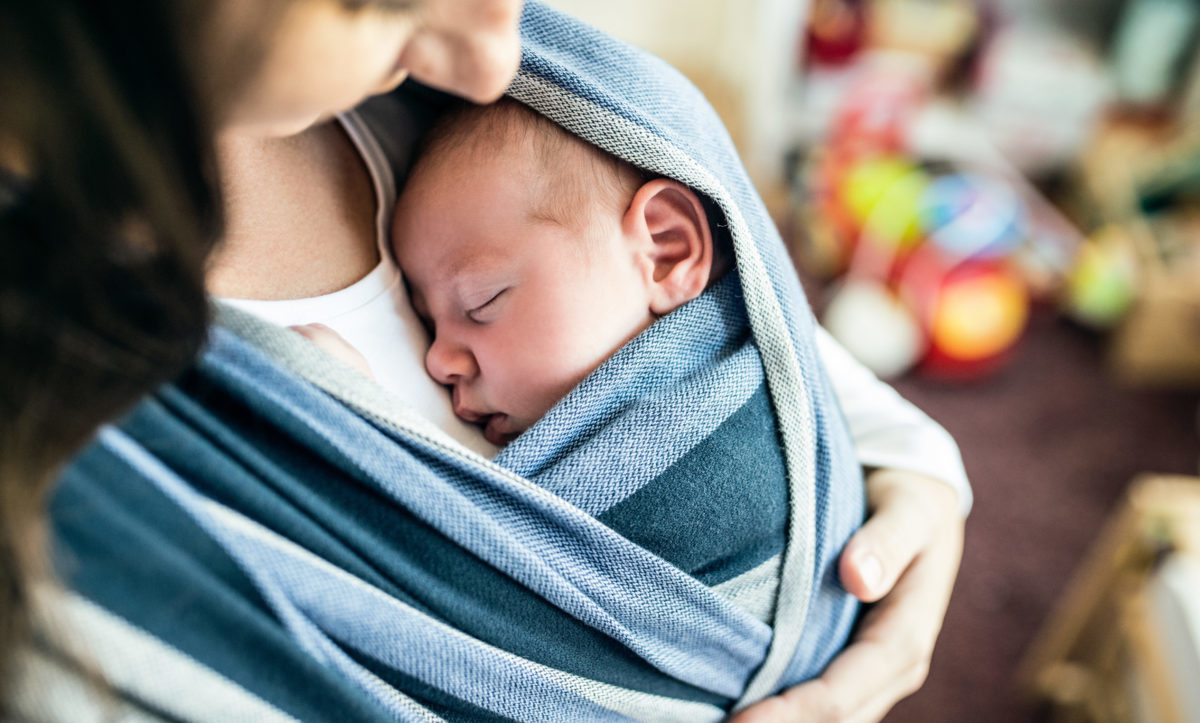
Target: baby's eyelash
[{"x": 472, "y": 312}]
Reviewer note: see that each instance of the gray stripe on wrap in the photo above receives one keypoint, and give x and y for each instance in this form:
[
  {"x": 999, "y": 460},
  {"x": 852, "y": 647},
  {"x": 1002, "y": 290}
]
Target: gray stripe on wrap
[
  {"x": 754, "y": 590},
  {"x": 44, "y": 688},
  {"x": 128, "y": 660},
  {"x": 788, "y": 390}
]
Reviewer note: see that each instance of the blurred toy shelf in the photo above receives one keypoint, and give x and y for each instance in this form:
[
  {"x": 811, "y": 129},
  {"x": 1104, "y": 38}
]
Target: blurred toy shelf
[
  {"x": 893, "y": 98},
  {"x": 1140, "y": 184},
  {"x": 1123, "y": 644},
  {"x": 924, "y": 133}
]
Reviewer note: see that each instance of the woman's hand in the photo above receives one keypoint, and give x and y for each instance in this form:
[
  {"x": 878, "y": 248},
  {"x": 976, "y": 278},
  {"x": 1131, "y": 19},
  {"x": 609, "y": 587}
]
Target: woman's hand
[
  {"x": 908, "y": 551},
  {"x": 336, "y": 346}
]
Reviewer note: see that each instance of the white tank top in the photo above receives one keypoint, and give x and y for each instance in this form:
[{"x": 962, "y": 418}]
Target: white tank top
[{"x": 374, "y": 315}]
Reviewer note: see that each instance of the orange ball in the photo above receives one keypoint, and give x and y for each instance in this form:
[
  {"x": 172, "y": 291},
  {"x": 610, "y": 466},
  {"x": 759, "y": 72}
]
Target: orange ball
[
  {"x": 979, "y": 315},
  {"x": 973, "y": 313}
]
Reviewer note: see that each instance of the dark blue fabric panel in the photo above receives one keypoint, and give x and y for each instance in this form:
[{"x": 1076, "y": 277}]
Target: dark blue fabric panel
[{"x": 729, "y": 490}]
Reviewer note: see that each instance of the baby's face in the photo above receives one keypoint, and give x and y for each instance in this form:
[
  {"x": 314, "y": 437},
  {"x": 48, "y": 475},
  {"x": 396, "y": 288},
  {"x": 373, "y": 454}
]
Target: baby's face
[{"x": 521, "y": 309}]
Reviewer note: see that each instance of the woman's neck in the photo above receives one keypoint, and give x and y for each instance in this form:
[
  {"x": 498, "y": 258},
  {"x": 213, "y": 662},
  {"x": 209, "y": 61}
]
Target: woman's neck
[{"x": 300, "y": 216}]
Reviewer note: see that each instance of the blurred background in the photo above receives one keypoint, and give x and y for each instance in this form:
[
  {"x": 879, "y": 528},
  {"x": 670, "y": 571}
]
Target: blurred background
[{"x": 995, "y": 204}]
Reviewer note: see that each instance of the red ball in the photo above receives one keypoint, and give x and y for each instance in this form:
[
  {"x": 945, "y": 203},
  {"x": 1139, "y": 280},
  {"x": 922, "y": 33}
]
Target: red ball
[
  {"x": 973, "y": 312},
  {"x": 836, "y": 31}
]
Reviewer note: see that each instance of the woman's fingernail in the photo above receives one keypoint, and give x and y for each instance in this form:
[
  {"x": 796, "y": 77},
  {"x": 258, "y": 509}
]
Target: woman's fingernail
[{"x": 871, "y": 571}]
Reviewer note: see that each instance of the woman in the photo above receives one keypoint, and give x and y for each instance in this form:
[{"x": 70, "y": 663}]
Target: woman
[{"x": 117, "y": 307}]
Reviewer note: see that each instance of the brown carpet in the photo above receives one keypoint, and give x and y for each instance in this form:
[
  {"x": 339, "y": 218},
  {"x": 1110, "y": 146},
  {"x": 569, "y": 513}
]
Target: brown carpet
[{"x": 1050, "y": 445}]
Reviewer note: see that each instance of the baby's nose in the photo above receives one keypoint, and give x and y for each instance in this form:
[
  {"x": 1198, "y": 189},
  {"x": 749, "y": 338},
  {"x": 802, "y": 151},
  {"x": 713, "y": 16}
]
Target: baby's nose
[{"x": 449, "y": 362}]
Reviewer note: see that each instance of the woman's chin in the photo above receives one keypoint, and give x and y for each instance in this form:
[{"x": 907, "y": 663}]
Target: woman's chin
[{"x": 277, "y": 127}]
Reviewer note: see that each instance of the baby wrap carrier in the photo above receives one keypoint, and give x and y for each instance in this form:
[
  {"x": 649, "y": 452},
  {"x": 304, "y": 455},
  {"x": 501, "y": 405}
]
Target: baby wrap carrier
[{"x": 273, "y": 537}]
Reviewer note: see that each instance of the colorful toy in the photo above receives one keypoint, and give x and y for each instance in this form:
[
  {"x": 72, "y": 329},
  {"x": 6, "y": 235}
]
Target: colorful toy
[
  {"x": 876, "y": 327},
  {"x": 973, "y": 313},
  {"x": 929, "y": 282},
  {"x": 1103, "y": 283},
  {"x": 975, "y": 303},
  {"x": 979, "y": 313},
  {"x": 883, "y": 196},
  {"x": 873, "y": 199},
  {"x": 973, "y": 216}
]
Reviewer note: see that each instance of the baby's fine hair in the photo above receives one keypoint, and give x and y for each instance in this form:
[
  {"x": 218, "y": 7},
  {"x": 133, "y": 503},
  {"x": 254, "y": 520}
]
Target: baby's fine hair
[{"x": 575, "y": 177}]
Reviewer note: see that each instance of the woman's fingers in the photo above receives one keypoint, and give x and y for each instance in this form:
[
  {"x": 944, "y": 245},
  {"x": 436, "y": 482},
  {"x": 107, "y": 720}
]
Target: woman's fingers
[
  {"x": 889, "y": 658},
  {"x": 916, "y": 535},
  {"x": 333, "y": 343},
  {"x": 860, "y": 685},
  {"x": 896, "y": 638},
  {"x": 907, "y": 510}
]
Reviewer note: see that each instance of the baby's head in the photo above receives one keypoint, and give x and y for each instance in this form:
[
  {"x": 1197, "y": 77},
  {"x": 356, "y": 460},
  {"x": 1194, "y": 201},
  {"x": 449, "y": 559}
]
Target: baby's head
[{"x": 533, "y": 256}]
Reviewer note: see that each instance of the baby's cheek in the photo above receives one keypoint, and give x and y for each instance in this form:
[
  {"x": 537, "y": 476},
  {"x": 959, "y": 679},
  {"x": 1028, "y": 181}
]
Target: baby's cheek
[
  {"x": 554, "y": 346},
  {"x": 545, "y": 377}
]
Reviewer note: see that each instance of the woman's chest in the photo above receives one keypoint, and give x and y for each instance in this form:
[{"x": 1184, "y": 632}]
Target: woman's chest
[{"x": 300, "y": 217}]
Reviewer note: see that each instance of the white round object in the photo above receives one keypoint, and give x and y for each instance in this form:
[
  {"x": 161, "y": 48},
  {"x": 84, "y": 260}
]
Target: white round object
[{"x": 875, "y": 327}]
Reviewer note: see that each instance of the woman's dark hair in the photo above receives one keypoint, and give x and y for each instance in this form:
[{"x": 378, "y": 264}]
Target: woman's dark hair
[{"x": 108, "y": 209}]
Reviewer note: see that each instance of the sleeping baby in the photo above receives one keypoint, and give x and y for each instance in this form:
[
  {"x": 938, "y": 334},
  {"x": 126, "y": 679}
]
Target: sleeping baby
[{"x": 533, "y": 257}]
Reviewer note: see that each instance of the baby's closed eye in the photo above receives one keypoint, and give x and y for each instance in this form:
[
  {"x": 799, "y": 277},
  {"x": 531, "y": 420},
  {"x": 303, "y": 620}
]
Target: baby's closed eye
[{"x": 489, "y": 309}]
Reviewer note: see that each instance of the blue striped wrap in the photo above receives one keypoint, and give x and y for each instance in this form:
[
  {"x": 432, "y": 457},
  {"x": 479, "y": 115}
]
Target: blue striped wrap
[{"x": 279, "y": 532}]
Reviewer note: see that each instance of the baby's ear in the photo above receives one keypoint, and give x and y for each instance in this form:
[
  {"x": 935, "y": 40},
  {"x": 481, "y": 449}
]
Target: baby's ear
[{"x": 676, "y": 242}]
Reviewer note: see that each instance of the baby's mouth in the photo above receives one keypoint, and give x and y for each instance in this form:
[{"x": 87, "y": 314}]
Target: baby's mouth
[
  {"x": 494, "y": 430},
  {"x": 496, "y": 426}
]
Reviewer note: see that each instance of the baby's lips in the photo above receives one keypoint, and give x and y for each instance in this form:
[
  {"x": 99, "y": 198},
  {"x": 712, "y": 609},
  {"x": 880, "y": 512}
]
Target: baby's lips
[
  {"x": 495, "y": 424},
  {"x": 462, "y": 410},
  {"x": 494, "y": 430},
  {"x": 467, "y": 415}
]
